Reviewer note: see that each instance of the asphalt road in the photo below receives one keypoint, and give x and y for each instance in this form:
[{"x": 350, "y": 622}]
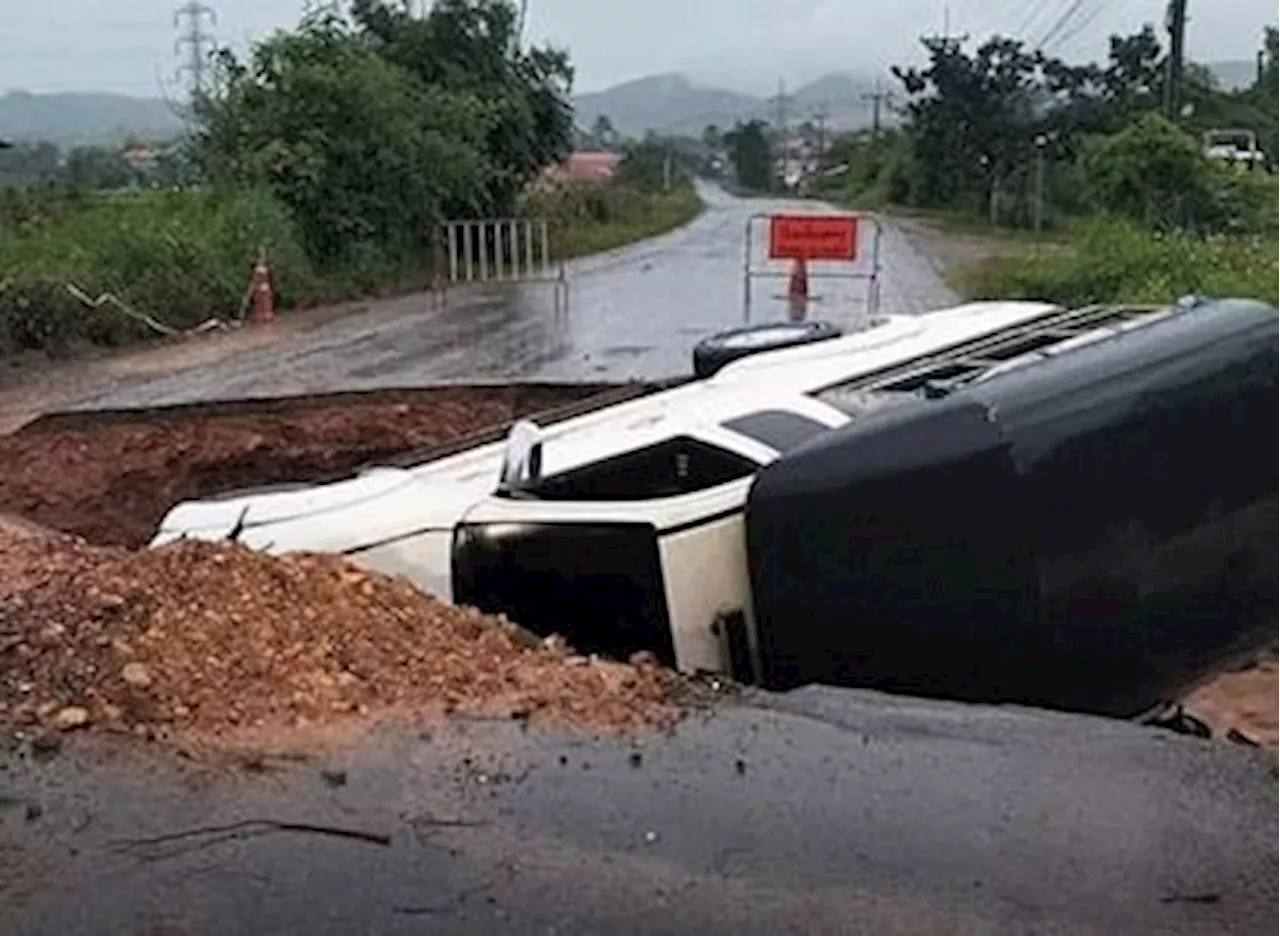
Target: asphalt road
[
  {"x": 633, "y": 313},
  {"x": 825, "y": 811}
]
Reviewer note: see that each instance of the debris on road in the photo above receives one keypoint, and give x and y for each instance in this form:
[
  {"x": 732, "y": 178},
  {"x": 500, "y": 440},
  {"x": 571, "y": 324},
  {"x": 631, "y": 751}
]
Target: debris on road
[{"x": 210, "y": 638}]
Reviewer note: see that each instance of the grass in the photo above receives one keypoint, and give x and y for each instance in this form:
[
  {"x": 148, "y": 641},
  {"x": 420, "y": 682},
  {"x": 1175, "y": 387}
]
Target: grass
[
  {"x": 968, "y": 224},
  {"x": 184, "y": 257},
  {"x": 1116, "y": 261},
  {"x": 589, "y": 219},
  {"x": 181, "y": 257}
]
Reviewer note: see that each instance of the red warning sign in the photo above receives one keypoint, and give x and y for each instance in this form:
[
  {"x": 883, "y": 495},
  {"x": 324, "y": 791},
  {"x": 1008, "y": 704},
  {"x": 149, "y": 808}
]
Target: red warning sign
[{"x": 813, "y": 237}]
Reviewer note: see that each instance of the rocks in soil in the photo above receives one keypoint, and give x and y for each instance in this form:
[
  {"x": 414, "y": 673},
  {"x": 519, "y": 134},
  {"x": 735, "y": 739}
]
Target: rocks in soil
[
  {"x": 69, "y": 718},
  {"x": 136, "y": 675},
  {"x": 212, "y": 637}
]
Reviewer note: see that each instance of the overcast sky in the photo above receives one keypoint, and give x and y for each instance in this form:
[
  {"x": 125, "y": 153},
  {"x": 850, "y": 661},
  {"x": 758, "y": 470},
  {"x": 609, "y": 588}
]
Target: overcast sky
[{"x": 128, "y": 45}]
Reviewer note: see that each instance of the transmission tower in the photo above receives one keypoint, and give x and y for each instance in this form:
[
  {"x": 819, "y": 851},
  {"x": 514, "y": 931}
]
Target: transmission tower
[{"x": 194, "y": 42}]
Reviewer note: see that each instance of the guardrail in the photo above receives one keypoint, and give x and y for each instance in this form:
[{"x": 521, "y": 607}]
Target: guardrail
[{"x": 498, "y": 250}]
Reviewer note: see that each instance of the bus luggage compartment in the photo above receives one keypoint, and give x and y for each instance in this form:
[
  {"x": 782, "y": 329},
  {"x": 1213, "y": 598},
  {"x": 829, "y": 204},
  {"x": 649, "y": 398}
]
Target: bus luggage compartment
[{"x": 1093, "y": 532}]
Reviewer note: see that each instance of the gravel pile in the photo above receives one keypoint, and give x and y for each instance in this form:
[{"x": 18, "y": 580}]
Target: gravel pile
[{"x": 213, "y": 637}]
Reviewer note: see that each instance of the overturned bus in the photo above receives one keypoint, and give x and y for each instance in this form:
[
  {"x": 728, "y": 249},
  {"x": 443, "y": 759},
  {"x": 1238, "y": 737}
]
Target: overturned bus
[{"x": 1092, "y": 529}]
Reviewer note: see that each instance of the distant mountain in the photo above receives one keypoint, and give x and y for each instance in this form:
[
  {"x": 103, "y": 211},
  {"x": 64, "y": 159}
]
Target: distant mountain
[
  {"x": 1234, "y": 75},
  {"x": 675, "y": 105},
  {"x": 76, "y": 119}
]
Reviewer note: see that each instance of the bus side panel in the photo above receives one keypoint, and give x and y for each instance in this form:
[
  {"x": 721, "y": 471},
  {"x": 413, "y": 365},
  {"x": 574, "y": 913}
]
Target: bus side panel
[
  {"x": 1149, "y": 469},
  {"x": 890, "y": 554},
  {"x": 1094, "y": 532}
]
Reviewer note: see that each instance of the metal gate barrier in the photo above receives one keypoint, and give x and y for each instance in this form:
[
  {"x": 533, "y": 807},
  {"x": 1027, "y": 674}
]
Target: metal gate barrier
[
  {"x": 498, "y": 250},
  {"x": 801, "y": 238}
]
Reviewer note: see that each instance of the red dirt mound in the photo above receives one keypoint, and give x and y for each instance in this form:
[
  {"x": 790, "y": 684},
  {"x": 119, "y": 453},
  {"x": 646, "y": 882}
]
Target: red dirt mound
[{"x": 213, "y": 637}]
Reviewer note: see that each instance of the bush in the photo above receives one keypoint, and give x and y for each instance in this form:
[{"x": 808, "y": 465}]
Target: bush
[
  {"x": 1118, "y": 261},
  {"x": 182, "y": 257},
  {"x": 586, "y": 217}
]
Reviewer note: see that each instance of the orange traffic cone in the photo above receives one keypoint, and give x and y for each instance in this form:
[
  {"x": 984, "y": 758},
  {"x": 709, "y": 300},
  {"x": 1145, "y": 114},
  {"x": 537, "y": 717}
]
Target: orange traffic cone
[
  {"x": 798, "y": 291},
  {"x": 262, "y": 300}
]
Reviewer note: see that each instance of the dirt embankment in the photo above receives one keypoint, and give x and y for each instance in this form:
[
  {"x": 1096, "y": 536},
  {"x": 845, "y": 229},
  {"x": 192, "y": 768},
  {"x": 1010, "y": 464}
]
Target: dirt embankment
[
  {"x": 111, "y": 481},
  {"x": 204, "y": 637}
]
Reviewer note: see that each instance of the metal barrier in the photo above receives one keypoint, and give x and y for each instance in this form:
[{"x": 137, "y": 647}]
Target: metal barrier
[
  {"x": 846, "y": 251},
  {"x": 498, "y": 250}
]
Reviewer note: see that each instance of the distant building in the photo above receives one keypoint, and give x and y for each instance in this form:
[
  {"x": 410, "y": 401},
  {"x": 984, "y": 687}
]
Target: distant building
[
  {"x": 141, "y": 158},
  {"x": 598, "y": 166}
]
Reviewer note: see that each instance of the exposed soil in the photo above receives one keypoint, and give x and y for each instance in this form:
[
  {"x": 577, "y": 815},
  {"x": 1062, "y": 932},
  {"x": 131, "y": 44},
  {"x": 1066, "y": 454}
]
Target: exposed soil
[
  {"x": 207, "y": 638},
  {"x": 1244, "y": 702},
  {"x": 112, "y": 479}
]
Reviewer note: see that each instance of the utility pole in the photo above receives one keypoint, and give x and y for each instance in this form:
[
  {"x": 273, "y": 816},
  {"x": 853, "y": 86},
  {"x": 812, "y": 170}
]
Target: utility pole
[
  {"x": 946, "y": 38},
  {"x": 780, "y": 101},
  {"x": 197, "y": 43},
  {"x": 876, "y": 98},
  {"x": 821, "y": 118},
  {"x": 1176, "y": 21},
  {"x": 1041, "y": 142}
]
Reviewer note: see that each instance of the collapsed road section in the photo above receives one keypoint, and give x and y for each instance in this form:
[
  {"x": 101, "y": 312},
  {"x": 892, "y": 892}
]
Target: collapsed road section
[
  {"x": 691, "y": 457},
  {"x": 110, "y": 476}
]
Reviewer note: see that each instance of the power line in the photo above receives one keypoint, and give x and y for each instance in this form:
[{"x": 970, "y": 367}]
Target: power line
[
  {"x": 1037, "y": 7},
  {"x": 198, "y": 44},
  {"x": 1072, "y": 9},
  {"x": 1082, "y": 25}
]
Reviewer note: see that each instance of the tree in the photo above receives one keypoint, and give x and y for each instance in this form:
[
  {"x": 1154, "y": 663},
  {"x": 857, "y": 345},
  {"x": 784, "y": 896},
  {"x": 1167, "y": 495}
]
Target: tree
[
  {"x": 1150, "y": 171},
  {"x": 603, "y": 132},
  {"x": 1268, "y": 57},
  {"x": 978, "y": 122},
  {"x": 749, "y": 152},
  {"x": 97, "y": 167},
  {"x": 360, "y": 149},
  {"x": 472, "y": 47},
  {"x": 659, "y": 162},
  {"x": 972, "y": 119},
  {"x": 23, "y": 163}
]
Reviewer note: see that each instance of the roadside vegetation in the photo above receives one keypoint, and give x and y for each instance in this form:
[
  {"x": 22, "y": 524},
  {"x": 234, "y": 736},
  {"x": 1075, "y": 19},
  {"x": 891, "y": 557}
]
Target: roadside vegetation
[
  {"x": 336, "y": 147},
  {"x": 1091, "y": 181}
]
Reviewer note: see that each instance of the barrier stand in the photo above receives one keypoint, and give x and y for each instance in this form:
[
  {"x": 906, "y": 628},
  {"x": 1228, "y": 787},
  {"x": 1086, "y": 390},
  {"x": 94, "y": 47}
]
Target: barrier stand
[
  {"x": 498, "y": 250},
  {"x": 802, "y": 239}
]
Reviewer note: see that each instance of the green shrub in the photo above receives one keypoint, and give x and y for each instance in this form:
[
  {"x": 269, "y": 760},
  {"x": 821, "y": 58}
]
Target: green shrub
[
  {"x": 1118, "y": 261},
  {"x": 181, "y": 257},
  {"x": 585, "y": 217}
]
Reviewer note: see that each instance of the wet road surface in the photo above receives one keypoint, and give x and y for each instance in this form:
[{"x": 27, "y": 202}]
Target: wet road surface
[
  {"x": 633, "y": 313},
  {"x": 824, "y": 811}
]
